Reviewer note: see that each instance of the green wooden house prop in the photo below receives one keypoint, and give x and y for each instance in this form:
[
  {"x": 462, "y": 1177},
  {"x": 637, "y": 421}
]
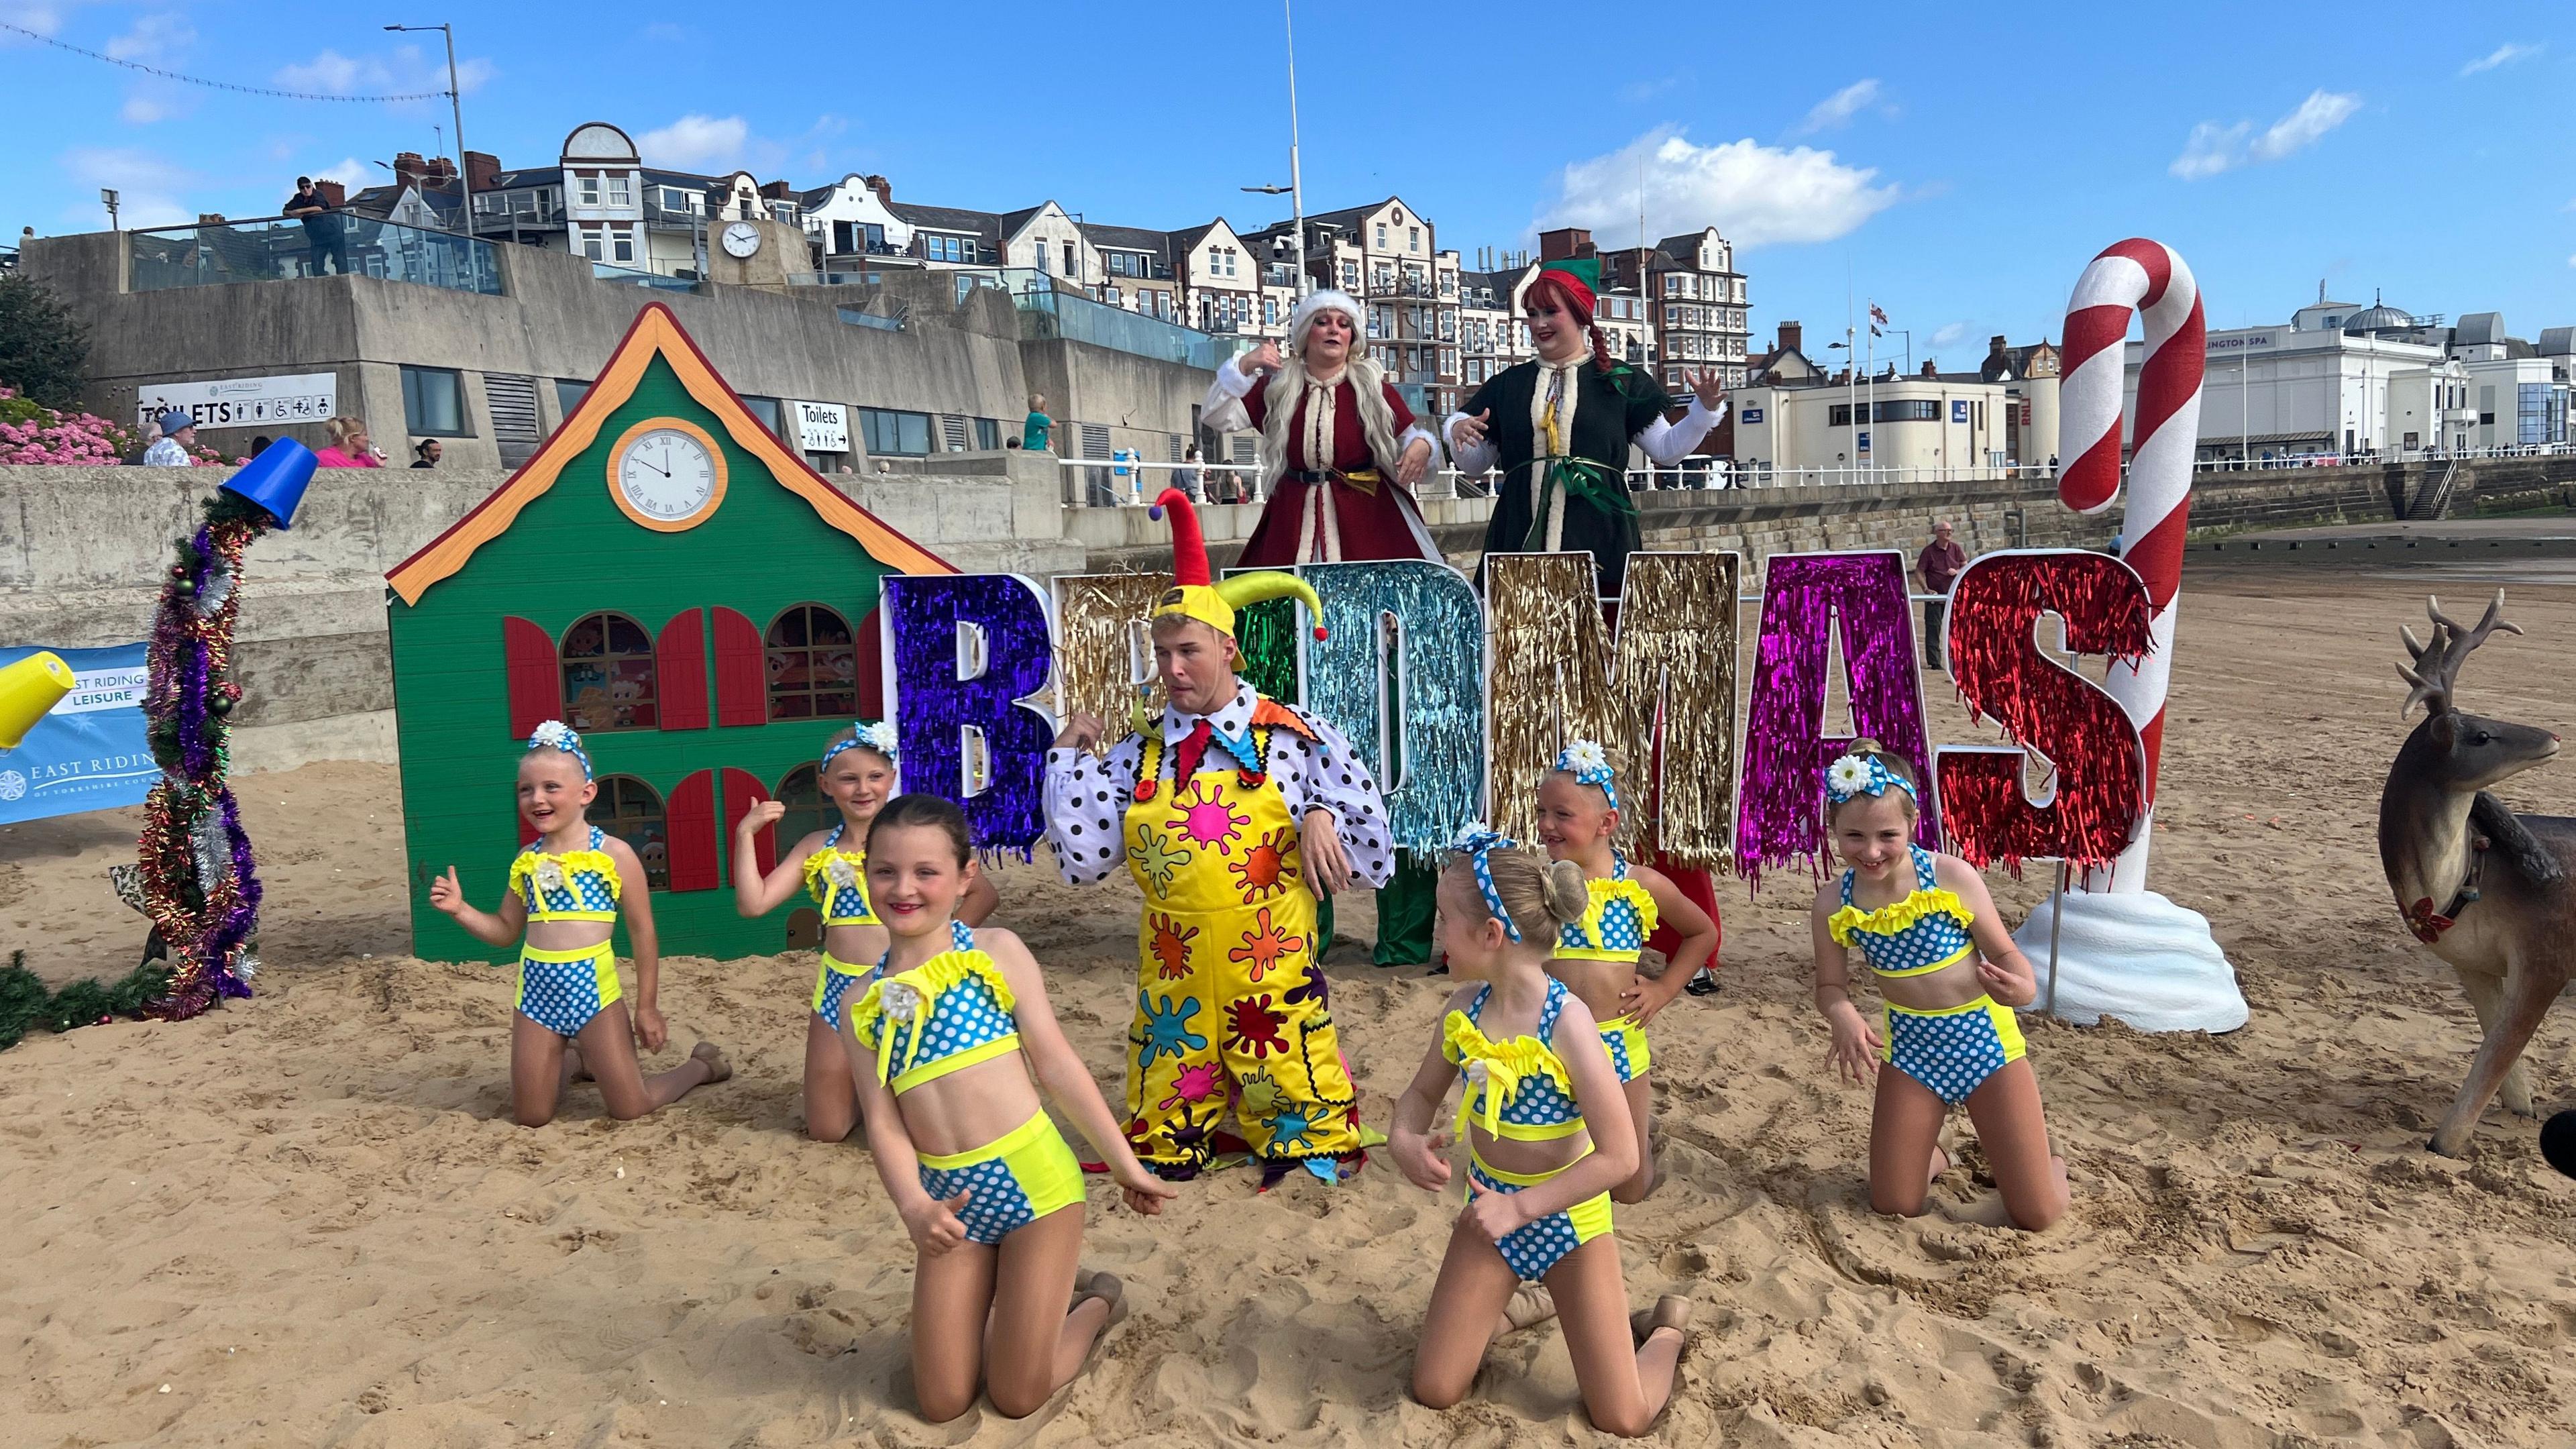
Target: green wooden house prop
[{"x": 674, "y": 582}]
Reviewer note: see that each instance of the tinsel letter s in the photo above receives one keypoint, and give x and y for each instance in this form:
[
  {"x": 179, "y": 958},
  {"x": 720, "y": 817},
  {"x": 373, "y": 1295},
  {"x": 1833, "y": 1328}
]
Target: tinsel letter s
[
  {"x": 936, "y": 701},
  {"x": 2002, "y": 673},
  {"x": 1436, "y": 673},
  {"x": 1806, "y": 599}
]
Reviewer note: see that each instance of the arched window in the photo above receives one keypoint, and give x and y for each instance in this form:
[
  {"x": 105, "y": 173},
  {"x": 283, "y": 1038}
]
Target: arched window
[
  {"x": 630, "y": 810},
  {"x": 813, "y": 665},
  {"x": 608, "y": 675},
  {"x": 807, "y": 811}
]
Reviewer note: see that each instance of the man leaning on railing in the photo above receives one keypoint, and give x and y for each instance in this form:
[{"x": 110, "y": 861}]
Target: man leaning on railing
[{"x": 323, "y": 236}]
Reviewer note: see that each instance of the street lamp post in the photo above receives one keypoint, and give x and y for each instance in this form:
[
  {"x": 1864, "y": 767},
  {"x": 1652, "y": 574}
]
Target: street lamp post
[
  {"x": 456, "y": 104},
  {"x": 108, "y": 195}
]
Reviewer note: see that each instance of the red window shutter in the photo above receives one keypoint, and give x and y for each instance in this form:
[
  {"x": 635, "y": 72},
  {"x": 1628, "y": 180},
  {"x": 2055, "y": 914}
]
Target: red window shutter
[
  {"x": 742, "y": 671},
  {"x": 690, "y": 815},
  {"x": 680, "y": 667},
  {"x": 871, "y": 668},
  {"x": 536, "y": 676},
  {"x": 741, "y": 788}
]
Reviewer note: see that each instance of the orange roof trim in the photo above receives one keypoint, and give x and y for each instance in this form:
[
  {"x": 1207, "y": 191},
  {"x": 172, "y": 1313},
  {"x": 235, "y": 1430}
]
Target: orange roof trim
[{"x": 656, "y": 333}]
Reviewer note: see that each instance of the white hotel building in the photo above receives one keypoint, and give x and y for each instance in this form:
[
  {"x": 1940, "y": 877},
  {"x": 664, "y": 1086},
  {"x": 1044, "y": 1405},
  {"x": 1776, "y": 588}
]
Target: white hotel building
[{"x": 2344, "y": 379}]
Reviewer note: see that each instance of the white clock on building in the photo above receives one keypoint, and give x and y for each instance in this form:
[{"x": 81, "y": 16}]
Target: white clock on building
[
  {"x": 741, "y": 239},
  {"x": 666, "y": 474}
]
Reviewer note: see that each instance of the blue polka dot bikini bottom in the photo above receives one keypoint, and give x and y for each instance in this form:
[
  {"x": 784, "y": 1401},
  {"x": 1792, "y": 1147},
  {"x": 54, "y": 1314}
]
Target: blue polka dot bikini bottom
[
  {"x": 1009, "y": 1182},
  {"x": 1952, "y": 1052},
  {"x": 1533, "y": 1248},
  {"x": 562, "y": 990}
]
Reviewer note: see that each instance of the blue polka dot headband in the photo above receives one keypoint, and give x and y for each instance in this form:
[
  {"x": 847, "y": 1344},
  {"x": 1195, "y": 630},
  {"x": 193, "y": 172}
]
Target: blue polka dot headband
[
  {"x": 879, "y": 737},
  {"x": 1862, "y": 775},
  {"x": 1478, "y": 844},
  {"x": 554, "y": 734},
  {"x": 1589, "y": 764}
]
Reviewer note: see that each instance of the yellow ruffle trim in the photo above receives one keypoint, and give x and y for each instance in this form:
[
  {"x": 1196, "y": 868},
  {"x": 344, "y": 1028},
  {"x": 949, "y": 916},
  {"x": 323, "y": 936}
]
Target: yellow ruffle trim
[
  {"x": 1887, "y": 920},
  {"x": 820, "y": 862},
  {"x": 1606, "y": 889},
  {"x": 574, "y": 862},
  {"x": 926, "y": 983},
  {"x": 1507, "y": 1065}
]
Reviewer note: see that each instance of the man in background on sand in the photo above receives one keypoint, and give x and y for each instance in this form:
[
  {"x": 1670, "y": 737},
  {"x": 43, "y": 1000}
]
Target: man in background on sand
[{"x": 1938, "y": 568}]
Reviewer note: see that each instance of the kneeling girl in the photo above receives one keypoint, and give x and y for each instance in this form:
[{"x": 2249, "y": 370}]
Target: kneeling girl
[
  {"x": 952, "y": 1027},
  {"x": 1548, "y": 1137},
  {"x": 1950, "y": 976}
]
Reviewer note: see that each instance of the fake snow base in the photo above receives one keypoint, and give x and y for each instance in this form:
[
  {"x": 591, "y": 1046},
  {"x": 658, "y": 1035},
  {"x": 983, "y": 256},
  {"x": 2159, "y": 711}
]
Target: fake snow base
[{"x": 2137, "y": 956}]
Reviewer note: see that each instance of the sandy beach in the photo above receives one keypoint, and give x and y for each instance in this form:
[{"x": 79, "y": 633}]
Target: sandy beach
[{"x": 306, "y": 1220}]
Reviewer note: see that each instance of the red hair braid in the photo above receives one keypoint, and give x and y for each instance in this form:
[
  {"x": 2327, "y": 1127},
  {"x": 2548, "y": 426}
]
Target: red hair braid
[{"x": 1568, "y": 301}]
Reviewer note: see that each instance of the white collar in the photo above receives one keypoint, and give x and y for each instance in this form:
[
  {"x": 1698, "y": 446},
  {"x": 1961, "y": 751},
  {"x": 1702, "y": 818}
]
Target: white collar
[{"x": 1230, "y": 725}]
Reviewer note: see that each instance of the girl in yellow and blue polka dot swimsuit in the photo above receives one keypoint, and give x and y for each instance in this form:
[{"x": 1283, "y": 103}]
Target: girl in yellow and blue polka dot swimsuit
[
  {"x": 950, "y": 1031},
  {"x": 567, "y": 892},
  {"x": 1547, "y": 1137},
  {"x": 857, "y": 774},
  {"x": 1925, "y": 926},
  {"x": 1578, "y": 817}
]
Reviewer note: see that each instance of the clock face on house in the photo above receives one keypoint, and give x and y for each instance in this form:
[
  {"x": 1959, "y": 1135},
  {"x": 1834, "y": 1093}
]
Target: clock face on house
[
  {"x": 741, "y": 239},
  {"x": 666, "y": 474}
]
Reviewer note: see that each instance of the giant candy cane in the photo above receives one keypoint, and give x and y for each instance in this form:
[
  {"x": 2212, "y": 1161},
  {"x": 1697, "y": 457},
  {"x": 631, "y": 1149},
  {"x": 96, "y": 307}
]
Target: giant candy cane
[{"x": 2147, "y": 277}]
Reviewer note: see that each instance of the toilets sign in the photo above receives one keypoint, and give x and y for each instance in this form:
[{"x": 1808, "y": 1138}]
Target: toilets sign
[{"x": 243, "y": 402}]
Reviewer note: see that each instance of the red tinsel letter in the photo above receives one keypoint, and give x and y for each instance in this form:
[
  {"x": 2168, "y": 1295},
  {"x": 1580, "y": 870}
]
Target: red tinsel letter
[{"x": 2000, "y": 671}]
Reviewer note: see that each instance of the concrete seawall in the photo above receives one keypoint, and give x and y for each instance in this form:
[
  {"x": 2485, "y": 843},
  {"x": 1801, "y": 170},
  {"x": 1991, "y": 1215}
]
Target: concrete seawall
[{"x": 82, "y": 550}]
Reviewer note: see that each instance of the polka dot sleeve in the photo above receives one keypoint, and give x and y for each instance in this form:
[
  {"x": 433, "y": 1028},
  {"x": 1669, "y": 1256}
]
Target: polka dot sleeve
[
  {"x": 1328, "y": 774},
  {"x": 1086, "y": 798}
]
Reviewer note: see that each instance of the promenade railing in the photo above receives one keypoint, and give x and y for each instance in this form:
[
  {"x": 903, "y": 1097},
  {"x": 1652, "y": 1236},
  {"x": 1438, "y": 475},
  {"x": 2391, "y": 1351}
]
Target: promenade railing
[{"x": 272, "y": 249}]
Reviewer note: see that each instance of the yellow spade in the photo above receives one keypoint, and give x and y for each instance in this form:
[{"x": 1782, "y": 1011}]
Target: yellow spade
[{"x": 28, "y": 688}]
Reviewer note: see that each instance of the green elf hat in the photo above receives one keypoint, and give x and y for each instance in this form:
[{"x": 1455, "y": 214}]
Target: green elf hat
[{"x": 1581, "y": 278}]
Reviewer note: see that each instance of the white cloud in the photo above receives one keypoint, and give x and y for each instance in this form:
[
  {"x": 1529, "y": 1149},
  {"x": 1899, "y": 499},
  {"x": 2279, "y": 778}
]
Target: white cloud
[
  {"x": 1838, "y": 108},
  {"x": 143, "y": 110},
  {"x": 1950, "y": 334},
  {"x": 45, "y": 17},
  {"x": 2505, "y": 54},
  {"x": 697, "y": 143},
  {"x": 2213, "y": 148},
  {"x": 406, "y": 71},
  {"x": 154, "y": 37},
  {"x": 1756, "y": 194},
  {"x": 149, "y": 188},
  {"x": 349, "y": 171}
]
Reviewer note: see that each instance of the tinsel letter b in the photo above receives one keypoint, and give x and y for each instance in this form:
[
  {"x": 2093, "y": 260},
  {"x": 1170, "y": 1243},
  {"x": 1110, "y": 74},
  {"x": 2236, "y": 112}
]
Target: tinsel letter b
[
  {"x": 936, "y": 702},
  {"x": 2001, "y": 672}
]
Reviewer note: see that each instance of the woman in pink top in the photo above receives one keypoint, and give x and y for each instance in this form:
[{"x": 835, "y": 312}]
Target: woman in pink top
[{"x": 349, "y": 447}]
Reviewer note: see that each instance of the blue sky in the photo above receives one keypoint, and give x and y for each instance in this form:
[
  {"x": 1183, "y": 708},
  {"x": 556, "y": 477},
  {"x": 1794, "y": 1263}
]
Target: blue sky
[{"x": 1959, "y": 167}]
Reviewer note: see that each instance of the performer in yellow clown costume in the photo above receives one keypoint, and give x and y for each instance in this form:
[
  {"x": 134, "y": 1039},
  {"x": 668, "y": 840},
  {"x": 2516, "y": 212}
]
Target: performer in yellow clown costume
[{"x": 1235, "y": 814}]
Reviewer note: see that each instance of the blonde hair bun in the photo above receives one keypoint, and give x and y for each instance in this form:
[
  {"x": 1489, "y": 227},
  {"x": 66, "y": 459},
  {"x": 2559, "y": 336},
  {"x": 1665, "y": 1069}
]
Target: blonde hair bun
[
  {"x": 1867, "y": 746},
  {"x": 1568, "y": 893}
]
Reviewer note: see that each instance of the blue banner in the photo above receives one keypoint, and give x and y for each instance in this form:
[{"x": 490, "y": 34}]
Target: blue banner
[{"x": 89, "y": 753}]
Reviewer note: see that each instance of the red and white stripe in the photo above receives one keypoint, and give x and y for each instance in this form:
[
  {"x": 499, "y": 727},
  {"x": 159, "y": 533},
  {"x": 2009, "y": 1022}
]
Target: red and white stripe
[{"x": 2143, "y": 277}]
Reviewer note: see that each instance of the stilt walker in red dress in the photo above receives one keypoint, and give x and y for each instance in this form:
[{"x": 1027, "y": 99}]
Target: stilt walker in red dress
[{"x": 1340, "y": 457}]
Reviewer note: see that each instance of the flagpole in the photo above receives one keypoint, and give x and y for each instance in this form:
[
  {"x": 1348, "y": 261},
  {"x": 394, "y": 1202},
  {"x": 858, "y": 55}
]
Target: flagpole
[{"x": 1873, "y": 390}]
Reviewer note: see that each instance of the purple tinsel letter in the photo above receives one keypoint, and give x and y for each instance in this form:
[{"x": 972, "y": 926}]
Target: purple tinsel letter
[
  {"x": 936, "y": 698},
  {"x": 1785, "y": 747}
]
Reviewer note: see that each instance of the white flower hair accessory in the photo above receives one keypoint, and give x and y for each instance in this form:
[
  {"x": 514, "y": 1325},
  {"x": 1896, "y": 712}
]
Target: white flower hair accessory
[
  {"x": 1589, "y": 764},
  {"x": 1862, "y": 775},
  {"x": 878, "y": 736},
  {"x": 554, "y": 734}
]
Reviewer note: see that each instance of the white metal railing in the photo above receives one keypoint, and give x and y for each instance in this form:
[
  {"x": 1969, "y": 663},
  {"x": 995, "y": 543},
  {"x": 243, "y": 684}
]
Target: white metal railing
[
  {"x": 2258, "y": 463},
  {"x": 1122, "y": 482},
  {"x": 1757, "y": 474}
]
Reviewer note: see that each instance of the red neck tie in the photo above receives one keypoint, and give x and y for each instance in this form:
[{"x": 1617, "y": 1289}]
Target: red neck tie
[{"x": 1185, "y": 761}]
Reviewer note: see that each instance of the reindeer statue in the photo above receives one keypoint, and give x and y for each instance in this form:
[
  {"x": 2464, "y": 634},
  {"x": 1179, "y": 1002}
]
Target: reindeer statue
[{"x": 2491, "y": 892}]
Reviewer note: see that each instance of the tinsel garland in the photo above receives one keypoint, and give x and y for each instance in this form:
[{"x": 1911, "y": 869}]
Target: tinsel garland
[
  {"x": 2000, "y": 671},
  {"x": 934, "y": 707},
  {"x": 1097, "y": 618},
  {"x": 1544, "y": 611},
  {"x": 1676, "y": 686},
  {"x": 1780, "y": 813},
  {"x": 200, "y": 884},
  {"x": 1438, "y": 673},
  {"x": 1270, "y": 642}
]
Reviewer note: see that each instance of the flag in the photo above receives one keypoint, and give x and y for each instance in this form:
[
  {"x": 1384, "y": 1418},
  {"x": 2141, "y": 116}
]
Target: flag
[{"x": 1878, "y": 315}]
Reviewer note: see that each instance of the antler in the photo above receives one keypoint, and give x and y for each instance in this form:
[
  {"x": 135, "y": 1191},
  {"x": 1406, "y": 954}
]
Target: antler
[{"x": 2436, "y": 665}]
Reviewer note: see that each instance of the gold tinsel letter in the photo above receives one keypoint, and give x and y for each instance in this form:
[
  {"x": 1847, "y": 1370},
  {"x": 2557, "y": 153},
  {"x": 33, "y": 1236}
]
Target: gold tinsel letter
[{"x": 1098, "y": 617}]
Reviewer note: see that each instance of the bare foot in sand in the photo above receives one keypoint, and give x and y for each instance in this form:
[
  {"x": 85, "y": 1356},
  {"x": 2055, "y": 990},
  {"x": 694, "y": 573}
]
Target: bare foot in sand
[
  {"x": 1530, "y": 1305},
  {"x": 1990, "y": 1212},
  {"x": 718, "y": 1069}
]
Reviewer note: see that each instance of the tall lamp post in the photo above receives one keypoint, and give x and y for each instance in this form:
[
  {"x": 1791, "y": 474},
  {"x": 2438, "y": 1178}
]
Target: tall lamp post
[
  {"x": 1296, "y": 187},
  {"x": 456, "y": 104}
]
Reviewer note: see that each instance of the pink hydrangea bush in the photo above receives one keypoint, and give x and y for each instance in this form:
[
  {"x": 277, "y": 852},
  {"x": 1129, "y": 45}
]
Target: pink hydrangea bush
[{"x": 31, "y": 433}]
